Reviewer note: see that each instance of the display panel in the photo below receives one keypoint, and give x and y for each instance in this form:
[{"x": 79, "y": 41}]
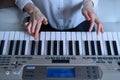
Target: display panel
[{"x": 60, "y": 72}]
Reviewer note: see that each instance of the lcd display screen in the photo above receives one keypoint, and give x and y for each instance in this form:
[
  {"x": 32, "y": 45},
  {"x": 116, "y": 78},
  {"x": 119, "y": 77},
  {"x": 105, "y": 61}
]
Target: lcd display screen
[{"x": 61, "y": 72}]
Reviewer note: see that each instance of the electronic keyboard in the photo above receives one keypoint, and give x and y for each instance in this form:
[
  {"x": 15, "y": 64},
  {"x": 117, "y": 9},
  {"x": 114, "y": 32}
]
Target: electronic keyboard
[{"x": 59, "y": 56}]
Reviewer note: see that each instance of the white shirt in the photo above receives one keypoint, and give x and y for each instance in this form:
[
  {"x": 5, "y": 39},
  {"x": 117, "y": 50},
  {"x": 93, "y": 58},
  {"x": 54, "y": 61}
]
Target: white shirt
[{"x": 61, "y": 14}]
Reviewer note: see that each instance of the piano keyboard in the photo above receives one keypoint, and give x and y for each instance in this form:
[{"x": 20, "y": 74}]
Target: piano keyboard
[{"x": 60, "y": 43}]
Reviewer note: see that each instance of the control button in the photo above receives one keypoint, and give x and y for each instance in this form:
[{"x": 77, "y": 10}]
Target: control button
[
  {"x": 7, "y": 72},
  {"x": 30, "y": 67},
  {"x": 16, "y": 62},
  {"x": 118, "y": 69},
  {"x": 16, "y": 73},
  {"x": 94, "y": 58},
  {"x": 67, "y": 58},
  {"x": 110, "y": 62},
  {"x": 73, "y": 58},
  {"x": 47, "y": 58},
  {"x": 119, "y": 63},
  {"x": 63, "y": 58},
  {"x": 5, "y": 67},
  {"x": 115, "y": 58}
]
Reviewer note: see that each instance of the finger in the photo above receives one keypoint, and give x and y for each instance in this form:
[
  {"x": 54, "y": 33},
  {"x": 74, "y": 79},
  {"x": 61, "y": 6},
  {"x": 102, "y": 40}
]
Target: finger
[
  {"x": 26, "y": 24},
  {"x": 34, "y": 23},
  {"x": 37, "y": 30},
  {"x": 85, "y": 13},
  {"x": 45, "y": 22},
  {"x": 100, "y": 27},
  {"x": 29, "y": 28},
  {"x": 91, "y": 25}
]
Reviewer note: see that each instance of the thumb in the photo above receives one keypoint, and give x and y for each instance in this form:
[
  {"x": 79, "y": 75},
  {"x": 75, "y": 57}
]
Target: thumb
[
  {"x": 45, "y": 22},
  {"x": 26, "y": 24},
  {"x": 85, "y": 13}
]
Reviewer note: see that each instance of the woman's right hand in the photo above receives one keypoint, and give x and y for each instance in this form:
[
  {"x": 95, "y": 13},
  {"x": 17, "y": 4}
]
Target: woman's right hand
[{"x": 36, "y": 20}]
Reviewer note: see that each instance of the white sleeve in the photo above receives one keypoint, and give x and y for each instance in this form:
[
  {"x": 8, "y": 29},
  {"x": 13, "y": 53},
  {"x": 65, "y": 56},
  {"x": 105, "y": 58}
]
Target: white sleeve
[{"x": 21, "y": 3}]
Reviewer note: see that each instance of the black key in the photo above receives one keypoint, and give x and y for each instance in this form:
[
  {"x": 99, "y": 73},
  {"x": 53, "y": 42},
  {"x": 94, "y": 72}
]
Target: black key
[
  {"x": 108, "y": 48},
  {"x": 32, "y": 47},
  {"x": 2, "y": 46},
  {"x": 77, "y": 48},
  {"x": 17, "y": 47},
  {"x": 86, "y": 47},
  {"x": 48, "y": 47},
  {"x": 115, "y": 47},
  {"x": 61, "y": 48},
  {"x": 99, "y": 48},
  {"x": 92, "y": 47},
  {"x": 39, "y": 47},
  {"x": 70, "y": 48},
  {"x": 54, "y": 47},
  {"x": 23, "y": 47},
  {"x": 11, "y": 47}
]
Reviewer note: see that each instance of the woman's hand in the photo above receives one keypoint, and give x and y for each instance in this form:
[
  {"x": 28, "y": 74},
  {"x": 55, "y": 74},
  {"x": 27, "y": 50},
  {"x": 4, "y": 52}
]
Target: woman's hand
[
  {"x": 36, "y": 20},
  {"x": 90, "y": 15}
]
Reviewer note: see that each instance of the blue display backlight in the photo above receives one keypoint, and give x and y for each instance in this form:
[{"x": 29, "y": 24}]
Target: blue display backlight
[{"x": 60, "y": 72}]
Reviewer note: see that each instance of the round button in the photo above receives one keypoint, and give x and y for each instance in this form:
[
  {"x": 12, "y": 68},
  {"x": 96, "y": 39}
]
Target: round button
[{"x": 7, "y": 72}]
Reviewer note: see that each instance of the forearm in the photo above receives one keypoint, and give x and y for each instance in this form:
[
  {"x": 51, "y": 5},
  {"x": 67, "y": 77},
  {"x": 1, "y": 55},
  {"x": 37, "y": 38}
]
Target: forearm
[
  {"x": 88, "y": 4},
  {"x": 30, "y": 8}
]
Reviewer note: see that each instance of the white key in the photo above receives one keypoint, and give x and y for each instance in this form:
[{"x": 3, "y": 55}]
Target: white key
[
  {"x": 58, "y": 38},
  {"x": 22, "y": 37},
  {"x": 63, "y": 38},
  {"x": 100, "y": 38},
  {"x": 1, "y": 35},
  {"x": 105, "y": 36},
  {"x": 79, "y": 38},
  {"x": 11, "y": 37},
  {"x": 6, "y": 38},
  {"x": 119, "y": 37},
  {"x": 31, "y": 38},
  {"x": 69, "y": 38},
  {"x": 53, "y": 38},
  {"x": 74, "y": 35},
  {"x": 89, "y": 38},
  {"x": 104, "y": 43},
  {"x": 48, "y": 38},
  {"x": 53, "y": 34},
  {"x": 110, "y": 38},
  {"x": 94, "y": 38},
  {"x": 119, "y": 40},
  {"x": 17, "y": 35},
  {"x": 84, "y": 37},
  {"x": 27, "y": 39},
  {"x": 42, "y": 38},
  {"x": 30, "y": 45},
  {"x": 115, "y": 37},
  {"x": 48, "y": 35}
]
